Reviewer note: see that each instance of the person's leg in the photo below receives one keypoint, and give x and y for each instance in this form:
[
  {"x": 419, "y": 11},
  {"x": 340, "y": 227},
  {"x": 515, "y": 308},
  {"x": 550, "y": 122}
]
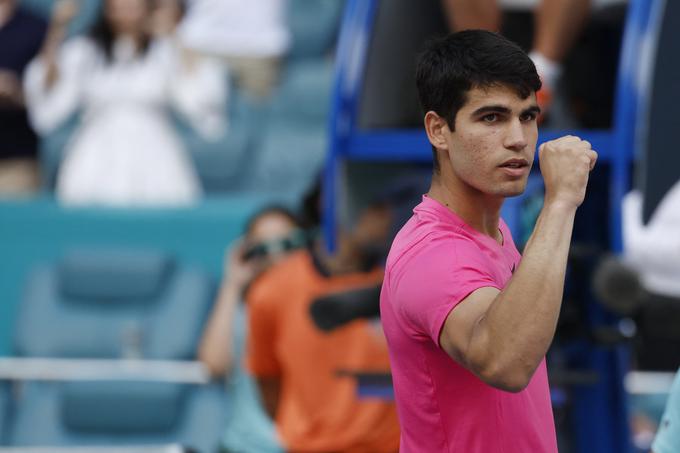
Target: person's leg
[
  {"x": 558, "y": 24},
  {"x": 257, "y": 76},
  {"x": 473, "y": 14}
]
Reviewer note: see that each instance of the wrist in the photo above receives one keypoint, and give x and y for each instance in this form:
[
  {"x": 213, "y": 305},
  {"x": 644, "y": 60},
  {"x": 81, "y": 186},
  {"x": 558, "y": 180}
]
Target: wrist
[{"x": 559, "y": 204}]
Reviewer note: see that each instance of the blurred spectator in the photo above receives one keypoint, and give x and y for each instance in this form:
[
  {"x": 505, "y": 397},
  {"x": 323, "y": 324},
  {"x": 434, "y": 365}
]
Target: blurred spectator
[
  {"x": 125, "y": 79},
  {"x": 651, "y": 254},
  {"x": 668, "y": 437},
  {"x": 297, "y": 364},
  {"x": 251, "y": 36},
  {"x": 557, "y": 25},
  {"x": 21, "y": 35},
  {"x": 270, "y": 235}
]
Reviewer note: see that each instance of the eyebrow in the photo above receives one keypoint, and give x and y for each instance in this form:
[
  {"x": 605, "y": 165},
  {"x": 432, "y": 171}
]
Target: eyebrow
[{"x": 534, "y": 109}]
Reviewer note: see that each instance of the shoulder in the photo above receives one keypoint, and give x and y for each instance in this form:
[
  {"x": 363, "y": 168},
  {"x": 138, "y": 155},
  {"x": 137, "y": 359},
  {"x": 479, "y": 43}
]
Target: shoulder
[
  {"x": 81, "y": 48},
  {"x": 438, "y": 268},
  {"x": 444, "y": 250},
  {"x": 280, "y": 280}
]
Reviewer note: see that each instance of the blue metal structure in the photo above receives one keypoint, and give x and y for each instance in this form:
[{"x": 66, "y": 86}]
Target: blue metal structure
[{"x": 599, "y": 409}]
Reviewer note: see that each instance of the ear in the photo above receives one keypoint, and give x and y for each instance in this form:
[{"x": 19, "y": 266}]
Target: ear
[{"x": 437, "y": 129}]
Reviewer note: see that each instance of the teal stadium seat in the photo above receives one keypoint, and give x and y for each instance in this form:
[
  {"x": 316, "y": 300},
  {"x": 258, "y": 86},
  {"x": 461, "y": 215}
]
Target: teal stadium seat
[
  {"x": 58, "y": 414},
  {"x": 287, "y": 159},
  {"x": 81, "y": 305},
  {"x": 314, "y": 26},
  {"x": 291, "y": 149},
  {"x": 287, "y": 153},
  {"x": 115, "y": 304},
  {"x": 304, "y": 94}
]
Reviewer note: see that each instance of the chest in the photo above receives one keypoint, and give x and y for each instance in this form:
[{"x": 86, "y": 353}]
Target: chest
[
  {"x": 140, "y": 80},
  {"x": 502, "y": 263},
  {"x": 300, "y": 339}
]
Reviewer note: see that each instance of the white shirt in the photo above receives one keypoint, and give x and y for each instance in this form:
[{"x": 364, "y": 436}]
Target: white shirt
[
  {"x": 654, "y": 249},
  {"x": 126, "y": 151}
]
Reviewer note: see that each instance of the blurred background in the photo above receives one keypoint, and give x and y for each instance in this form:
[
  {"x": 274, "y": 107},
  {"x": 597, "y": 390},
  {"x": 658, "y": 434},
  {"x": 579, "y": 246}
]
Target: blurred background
[{"x": 159, "y": 158}]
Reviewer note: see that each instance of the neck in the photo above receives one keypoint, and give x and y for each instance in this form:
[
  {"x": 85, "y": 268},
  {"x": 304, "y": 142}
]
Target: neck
[
  {"x": 133, "y": 36},
  {"x": 479, "y": 210}
]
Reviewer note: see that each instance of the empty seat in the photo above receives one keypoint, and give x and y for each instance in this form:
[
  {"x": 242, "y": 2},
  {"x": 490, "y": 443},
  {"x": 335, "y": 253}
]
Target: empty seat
[
  {"x": 71, "y": 414},
  {"x": 115, "y": 304}
]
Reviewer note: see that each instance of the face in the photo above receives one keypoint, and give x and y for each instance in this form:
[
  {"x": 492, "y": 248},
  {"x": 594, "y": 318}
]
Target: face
[
  {"x": 127, "y": 16},
  {"x": 270, "y": 228},
  {"x": 492, "y": 147}
]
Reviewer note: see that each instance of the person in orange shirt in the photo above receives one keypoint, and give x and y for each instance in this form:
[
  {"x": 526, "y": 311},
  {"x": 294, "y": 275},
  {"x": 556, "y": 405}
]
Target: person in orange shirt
[{"x": 297, "y": 364}]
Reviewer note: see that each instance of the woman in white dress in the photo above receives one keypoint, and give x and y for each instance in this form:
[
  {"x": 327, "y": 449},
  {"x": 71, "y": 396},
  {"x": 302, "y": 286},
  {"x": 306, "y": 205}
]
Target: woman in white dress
[{"x": 124, "y": 77}]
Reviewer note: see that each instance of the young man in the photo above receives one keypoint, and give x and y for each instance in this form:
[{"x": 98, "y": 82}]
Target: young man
[{"x": 468, "y": 326}]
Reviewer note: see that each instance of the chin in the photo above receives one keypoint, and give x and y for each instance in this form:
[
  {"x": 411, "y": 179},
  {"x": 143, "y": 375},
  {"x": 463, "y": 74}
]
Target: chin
[{"x": 513, "y": 190}]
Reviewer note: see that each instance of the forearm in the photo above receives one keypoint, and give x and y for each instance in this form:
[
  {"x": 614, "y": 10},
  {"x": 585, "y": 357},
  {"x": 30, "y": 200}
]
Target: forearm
[
  {"x": 472, "y": 14},
  {"x": 516, "y": 331},
  {"x": 216, "y": 348},
  {"x": 55, "y": 36}
]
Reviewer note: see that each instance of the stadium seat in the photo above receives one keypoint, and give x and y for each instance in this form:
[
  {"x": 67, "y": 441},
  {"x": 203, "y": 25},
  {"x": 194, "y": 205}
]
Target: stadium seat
[
  {"x": 287, "y": 159},
  {"x": 90, "y": 301},
  {"x": 314, "y": 27},
  {"x": 98, "y": 303},
  {"x": 69, "y": 415},
  {"x": 304, "y": 94},
  {"x": 219, "y": 163}
]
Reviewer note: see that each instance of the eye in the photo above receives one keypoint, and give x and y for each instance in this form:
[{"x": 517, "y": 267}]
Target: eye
[
  {"x": 528, "y": 117},
  {"x": 490, "y": 118}
]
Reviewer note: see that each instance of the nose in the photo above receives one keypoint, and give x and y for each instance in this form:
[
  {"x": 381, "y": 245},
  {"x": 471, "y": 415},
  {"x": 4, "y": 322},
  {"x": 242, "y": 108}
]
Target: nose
[{"x": 515, "y": 136}]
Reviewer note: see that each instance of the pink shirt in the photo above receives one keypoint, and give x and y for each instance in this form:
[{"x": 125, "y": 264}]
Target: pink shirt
[{"x": 436, "y": 261}]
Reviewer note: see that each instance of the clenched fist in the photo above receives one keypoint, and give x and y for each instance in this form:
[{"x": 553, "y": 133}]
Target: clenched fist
[{"x": 565, "y": 165}]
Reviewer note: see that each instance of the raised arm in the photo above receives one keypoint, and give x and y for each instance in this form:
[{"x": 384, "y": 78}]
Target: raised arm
[
  {"x": 53, "y": 80},
  {"x": 502, "y": 336},
  {"x": 62, "y": 14},
  {"x": 216, "y": 349}
]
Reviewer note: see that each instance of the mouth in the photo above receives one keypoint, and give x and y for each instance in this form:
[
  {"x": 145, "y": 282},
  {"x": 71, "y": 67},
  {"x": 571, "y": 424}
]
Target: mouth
[{"x": 515, "y": 167}]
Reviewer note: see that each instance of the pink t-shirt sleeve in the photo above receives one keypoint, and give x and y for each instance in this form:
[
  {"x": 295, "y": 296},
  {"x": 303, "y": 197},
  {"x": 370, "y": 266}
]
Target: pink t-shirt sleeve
[{"x": 440, "y": 275}]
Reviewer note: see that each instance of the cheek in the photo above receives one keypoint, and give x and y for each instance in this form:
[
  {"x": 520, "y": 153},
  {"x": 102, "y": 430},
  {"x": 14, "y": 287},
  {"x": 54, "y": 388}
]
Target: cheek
[{"x": 473, "y": 152}]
